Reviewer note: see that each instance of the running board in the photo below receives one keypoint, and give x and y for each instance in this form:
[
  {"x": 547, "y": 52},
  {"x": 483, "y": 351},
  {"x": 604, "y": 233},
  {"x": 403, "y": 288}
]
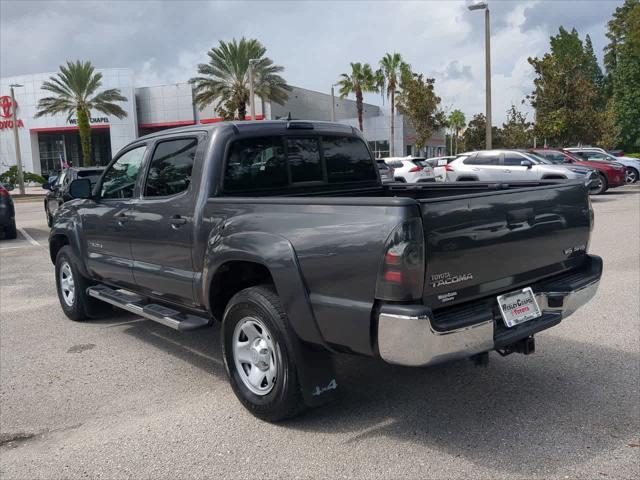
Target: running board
[{"x": 138, "y": 305}]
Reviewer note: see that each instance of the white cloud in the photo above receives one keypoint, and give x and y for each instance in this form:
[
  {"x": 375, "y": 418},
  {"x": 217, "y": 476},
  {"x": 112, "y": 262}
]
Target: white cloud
[{"x": 163, "y": 41}]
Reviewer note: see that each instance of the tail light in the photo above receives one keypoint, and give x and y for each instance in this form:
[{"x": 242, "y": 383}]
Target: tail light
[
  {"x": 401, "y": 273},
  {"x": 415, "y": 169},
  {"x": 4, "y": 192},
  {"x": 448, "y": 168}
]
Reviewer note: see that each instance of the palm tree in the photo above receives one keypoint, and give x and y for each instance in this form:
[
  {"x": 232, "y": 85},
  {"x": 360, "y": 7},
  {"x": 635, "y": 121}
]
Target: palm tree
[
  {"x": 456, "y": 121},
  {"x": 73, "y": 87},
  {"x": 224, "y": 81},
  {"x": 362, "y": 79},
  {"x": 391, "y": 68}
]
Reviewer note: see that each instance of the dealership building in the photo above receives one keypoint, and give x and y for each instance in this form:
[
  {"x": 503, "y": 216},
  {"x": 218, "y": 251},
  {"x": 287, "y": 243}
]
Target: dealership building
[{"x": 46, "y": 141}]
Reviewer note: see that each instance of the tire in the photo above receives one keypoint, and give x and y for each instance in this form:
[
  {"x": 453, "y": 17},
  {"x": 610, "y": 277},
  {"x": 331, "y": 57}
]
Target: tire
[
  {"x": 78, "y": 305},
  {"x": 256, "y": 329},
  {"x": 11, "y": 232},
  {"x": 631, "y": 175},
  {"x": 49, "y": 217},
  {"x": 602, "y": 187}
]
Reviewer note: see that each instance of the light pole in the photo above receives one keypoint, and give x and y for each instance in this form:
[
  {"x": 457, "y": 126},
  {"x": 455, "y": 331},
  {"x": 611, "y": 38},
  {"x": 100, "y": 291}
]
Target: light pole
[
  {"x": 16, "y": 140},
  {"x": 252, "y": 100},
  {"x": 487, "y": 51},
  {"x": 333, "y": 102}
]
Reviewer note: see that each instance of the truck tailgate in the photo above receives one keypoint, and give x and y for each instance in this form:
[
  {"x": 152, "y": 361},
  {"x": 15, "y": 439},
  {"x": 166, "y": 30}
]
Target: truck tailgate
[{"x": 488, "y": 243}]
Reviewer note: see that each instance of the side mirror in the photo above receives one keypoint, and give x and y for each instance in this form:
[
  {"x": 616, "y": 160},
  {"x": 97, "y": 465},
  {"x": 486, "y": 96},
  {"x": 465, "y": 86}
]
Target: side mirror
[
  {"x": 47, "y": 186},
  {"x": 80, "y": 188},
  {"x": 526, "y": 163}
]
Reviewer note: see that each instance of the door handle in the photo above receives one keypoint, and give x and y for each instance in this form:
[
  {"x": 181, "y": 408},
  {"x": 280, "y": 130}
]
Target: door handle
[
  {"x": 122, "y": 218},
  {"x": 177, "y": 220},
  {"x": 507, "y": 171}
]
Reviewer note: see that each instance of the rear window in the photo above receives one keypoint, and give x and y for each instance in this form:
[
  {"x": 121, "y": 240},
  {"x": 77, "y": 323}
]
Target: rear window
[
  {"x": 264, "y": 163},
  {"x": 347, "y": 160}
]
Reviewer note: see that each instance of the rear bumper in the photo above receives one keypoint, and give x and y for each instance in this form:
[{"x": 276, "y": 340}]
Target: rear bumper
[{"x": 411, "y": 335}]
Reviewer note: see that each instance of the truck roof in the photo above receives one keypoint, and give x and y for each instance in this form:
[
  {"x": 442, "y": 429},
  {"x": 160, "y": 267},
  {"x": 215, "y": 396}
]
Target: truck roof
[{"x": 254, "y": 126}]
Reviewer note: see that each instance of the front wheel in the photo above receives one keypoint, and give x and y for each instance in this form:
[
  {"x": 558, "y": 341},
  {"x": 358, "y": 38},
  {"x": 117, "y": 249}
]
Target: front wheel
[
  {"x": 632, "y": 175},
  {"x": 601, "y": 187},
  {"x": 258, "y": 352}
]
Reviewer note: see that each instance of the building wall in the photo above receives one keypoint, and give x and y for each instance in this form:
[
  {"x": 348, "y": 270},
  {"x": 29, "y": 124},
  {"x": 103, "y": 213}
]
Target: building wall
[
  {"x": 122, "y": 131},
  {"x": 306, "y": 104}
]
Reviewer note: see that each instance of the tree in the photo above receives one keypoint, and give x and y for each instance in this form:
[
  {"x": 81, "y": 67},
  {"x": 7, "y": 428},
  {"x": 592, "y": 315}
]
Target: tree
[
  {"x": 418, "y": 102},
  {"x": 566, "y": 95},
  {"x": 456, "y": 122},
  {"x": 391, "y": 68},
  {"x": 224, "y": 81},
  {"x": 475, "y": 134},
  {"x": 362, "y": 79},
  {"x": 74, "y": 87},
  {"x": 516, "y": 131},
  {"x": 622, "y": 61}
]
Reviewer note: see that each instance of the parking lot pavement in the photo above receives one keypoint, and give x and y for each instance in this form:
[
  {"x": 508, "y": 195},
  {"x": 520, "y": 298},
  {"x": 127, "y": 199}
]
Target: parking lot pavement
[{"x": 125, "y": 397}]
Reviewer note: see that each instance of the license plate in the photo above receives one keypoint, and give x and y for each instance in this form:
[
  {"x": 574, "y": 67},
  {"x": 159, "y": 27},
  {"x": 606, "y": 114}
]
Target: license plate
[{"x": 518, "y": 307}]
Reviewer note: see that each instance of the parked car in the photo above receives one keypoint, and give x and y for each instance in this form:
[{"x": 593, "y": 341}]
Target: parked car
[
  {"x": 598, "y": 154},
  {"x": 386, "y": 172},
  {"x": 7, "y": 214},
  {"x": 612, "y": 174},
  {"x": 410, "y": 169},
  {"x": 302, "y": 260},
  {"x": 616, "y": 153},
  {"x": 7, "y": 186},
  {"x": 439, "y": 165},
  {"x": 513, "y": 165},
  {"x": 59, "y": 191}
]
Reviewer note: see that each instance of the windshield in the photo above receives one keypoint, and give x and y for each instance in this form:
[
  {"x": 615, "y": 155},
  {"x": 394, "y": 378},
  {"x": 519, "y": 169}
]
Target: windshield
[{"x": 92, "y": 175}]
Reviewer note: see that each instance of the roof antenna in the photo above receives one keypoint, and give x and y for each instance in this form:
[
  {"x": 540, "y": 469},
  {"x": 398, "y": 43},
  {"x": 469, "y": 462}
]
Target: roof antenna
[{"x": 289, "y": 117}]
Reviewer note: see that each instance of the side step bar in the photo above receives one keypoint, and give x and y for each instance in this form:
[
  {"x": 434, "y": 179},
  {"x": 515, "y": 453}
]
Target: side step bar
[{"x": 138, "y": 305}]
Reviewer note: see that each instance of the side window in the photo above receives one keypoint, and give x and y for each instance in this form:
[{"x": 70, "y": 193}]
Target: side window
[
  {"x": 170, "y": 167},
  {"x": 120, "y": 179},
  {"x": 304, "y": 160},
  {"x": 255, "y": 164},
  {"x": 485, "y": 158},
  {"x": 347, "y": 160},
  {"x": 513, "y": 159}
]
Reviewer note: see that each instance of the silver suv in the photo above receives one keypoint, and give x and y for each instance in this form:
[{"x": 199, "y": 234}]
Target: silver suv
[{"x": 510, "y": 165}]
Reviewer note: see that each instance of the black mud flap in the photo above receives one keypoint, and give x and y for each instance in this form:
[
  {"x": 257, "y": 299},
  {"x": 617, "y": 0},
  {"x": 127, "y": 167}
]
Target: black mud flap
[{"x": 316, "y": 373}]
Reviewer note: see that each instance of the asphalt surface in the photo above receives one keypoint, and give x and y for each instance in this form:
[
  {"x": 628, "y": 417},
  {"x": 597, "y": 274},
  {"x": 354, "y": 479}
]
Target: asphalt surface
[{"x": 125, "y": 397}]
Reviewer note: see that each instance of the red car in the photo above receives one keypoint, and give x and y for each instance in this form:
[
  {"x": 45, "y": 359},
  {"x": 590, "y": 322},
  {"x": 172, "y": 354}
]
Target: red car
[{"x": 612, "y": 173}]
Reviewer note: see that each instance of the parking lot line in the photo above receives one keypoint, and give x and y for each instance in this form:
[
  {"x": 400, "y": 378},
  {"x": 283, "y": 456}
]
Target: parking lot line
[{"x": 29, "y": 238}]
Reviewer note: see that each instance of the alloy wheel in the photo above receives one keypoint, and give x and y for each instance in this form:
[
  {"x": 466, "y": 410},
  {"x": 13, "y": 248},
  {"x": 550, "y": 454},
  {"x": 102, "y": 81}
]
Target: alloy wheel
[
  {"x": 256, "y": 355},
  {"x": 67, "y": 285}
]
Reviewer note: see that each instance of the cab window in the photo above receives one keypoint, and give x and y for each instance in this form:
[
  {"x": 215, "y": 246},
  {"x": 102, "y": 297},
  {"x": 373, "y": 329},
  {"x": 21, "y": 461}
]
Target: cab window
[{"x": 170, "y": 167}]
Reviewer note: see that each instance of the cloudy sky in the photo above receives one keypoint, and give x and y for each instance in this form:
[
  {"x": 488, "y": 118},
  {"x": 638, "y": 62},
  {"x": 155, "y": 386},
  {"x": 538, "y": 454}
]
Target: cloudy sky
[{"x": 163, "y": 41}]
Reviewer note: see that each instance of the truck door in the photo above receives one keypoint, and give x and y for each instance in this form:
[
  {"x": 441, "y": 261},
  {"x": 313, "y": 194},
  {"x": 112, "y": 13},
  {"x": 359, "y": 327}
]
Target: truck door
[
  {"x": 106, "y": 221},
  {"x": 162, "y": 222}
]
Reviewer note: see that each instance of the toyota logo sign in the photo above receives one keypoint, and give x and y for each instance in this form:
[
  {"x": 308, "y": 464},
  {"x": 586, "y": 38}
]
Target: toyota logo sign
[{"x": 7, "y": 107}]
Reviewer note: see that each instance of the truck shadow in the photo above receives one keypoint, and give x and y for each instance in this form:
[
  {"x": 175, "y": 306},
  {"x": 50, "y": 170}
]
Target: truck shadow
[{"x": 566, "y": 404}]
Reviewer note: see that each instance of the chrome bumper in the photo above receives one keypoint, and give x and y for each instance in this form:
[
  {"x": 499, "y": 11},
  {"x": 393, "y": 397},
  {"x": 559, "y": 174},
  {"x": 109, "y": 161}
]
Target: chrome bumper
[{"x": 412, "y": 340}]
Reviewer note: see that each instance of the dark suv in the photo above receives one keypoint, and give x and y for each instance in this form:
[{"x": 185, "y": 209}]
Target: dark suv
[
  {"x": 59, "y": 190},
  {"x": 7, "y": 214}
]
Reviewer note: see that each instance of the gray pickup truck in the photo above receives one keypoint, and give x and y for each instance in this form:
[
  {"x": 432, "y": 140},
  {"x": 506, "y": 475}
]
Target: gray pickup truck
[{"x": 283, "y": 232}]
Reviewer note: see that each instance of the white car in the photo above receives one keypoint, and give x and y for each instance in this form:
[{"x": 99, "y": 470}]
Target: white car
[
  {"x": 512, "y": 165},
  {"x": 600, "y": 155},
  {"x": 410, "y": 169},
  {"x": 439, "y": 165}
]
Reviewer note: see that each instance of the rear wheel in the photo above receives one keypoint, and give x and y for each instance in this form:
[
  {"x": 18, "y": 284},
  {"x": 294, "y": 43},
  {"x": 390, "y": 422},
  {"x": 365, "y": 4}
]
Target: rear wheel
[
  {"x": 631, "y": 175},
  {"x": 72, "y": 287},
  {"x": 258, "y": 352},
  {"x": 11, "y": 231}
]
